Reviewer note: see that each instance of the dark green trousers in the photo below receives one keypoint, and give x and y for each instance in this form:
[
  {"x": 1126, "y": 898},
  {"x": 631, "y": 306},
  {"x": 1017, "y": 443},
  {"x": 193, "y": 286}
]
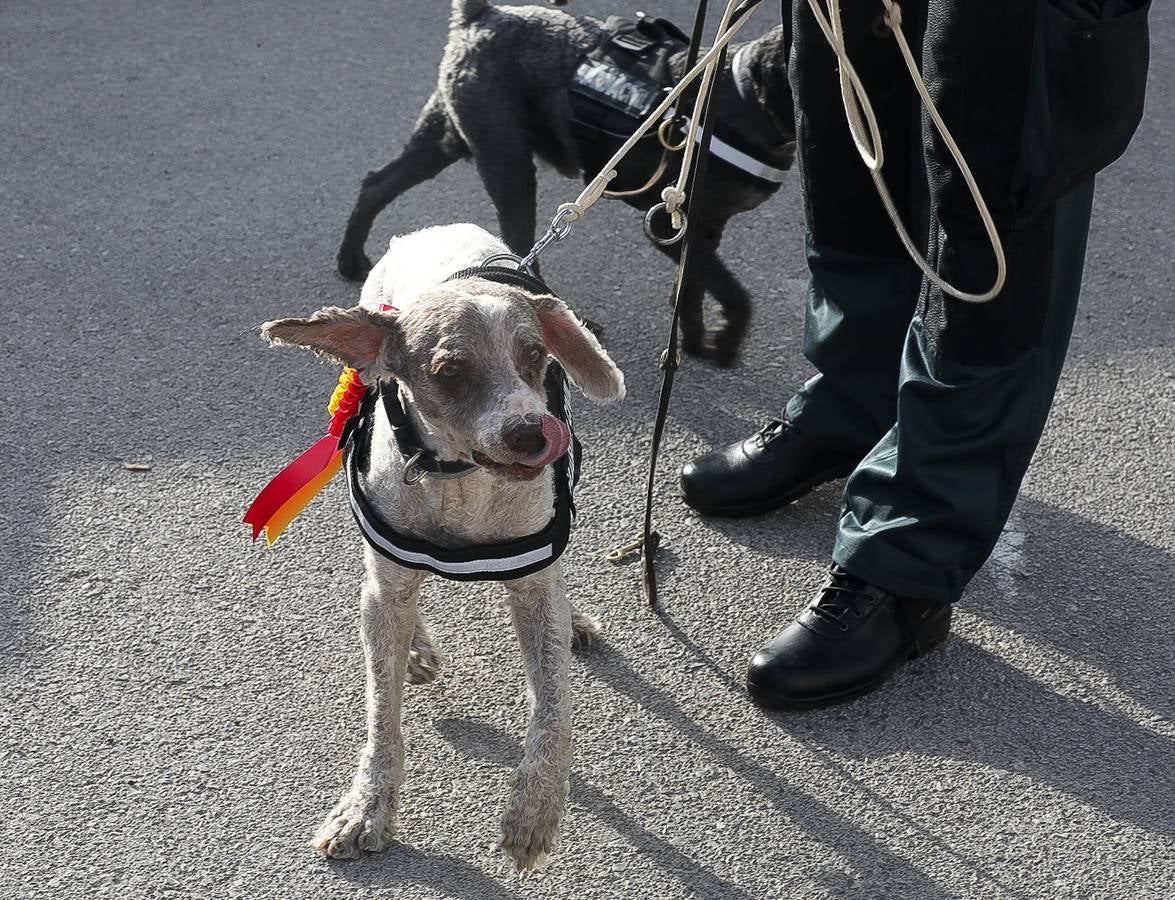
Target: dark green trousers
[
  {"x": 947, "y": 442},
  {"x": 945, "y": 400}
]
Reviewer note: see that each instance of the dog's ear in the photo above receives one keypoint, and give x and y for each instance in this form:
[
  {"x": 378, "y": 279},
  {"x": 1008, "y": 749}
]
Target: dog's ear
[
  {"x": 586, "y": 362},
  {"x": 355, "y": 337}
]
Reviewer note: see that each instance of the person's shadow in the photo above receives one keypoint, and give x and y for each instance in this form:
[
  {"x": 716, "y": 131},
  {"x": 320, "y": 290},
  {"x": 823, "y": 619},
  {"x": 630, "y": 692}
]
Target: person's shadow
[
  {"x": 885, "y": 873},
  {"x": 1107, "y": 742}
]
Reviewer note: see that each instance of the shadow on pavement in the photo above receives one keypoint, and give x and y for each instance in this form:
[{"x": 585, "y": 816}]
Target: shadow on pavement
[
  {"x": 493, "y": 745},
  {"x": 1085, "y": 583},
  {"x": 400, "y": 864},
  {"x": 999, "y": 718},
  {"x": 995, "y": 714},
  {"x": 887, "y": 874}
]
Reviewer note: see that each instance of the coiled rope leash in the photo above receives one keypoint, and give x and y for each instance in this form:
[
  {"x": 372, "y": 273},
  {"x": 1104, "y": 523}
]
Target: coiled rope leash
[{"x": 856, "y": 103}]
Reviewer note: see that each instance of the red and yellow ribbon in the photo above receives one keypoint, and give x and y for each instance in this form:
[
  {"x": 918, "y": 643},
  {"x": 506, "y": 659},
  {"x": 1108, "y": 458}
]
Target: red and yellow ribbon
[{"x": 293, "y": 487}]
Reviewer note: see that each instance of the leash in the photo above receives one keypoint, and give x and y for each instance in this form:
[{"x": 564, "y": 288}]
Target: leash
[
  {"x": 567, "y": 213},
  {"x": 869, "y": 146},
  {"x": 691, "y": 178},
  {"x": 690, "y": 183},
  {"x": 866, "y": 136}
]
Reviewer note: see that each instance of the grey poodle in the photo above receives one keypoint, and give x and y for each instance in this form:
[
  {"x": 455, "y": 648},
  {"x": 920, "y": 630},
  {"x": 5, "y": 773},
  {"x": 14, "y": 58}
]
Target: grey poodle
[{"x": 502, "y": 100}]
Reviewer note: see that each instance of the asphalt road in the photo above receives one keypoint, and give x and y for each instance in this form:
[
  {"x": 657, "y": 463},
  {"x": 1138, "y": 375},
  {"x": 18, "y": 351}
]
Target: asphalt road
[{"x": 180, "y": 708}]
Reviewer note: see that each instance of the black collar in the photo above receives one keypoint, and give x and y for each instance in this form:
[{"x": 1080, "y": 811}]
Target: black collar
[
  {"x": 419, "y": 461},
  {"x": 516, "y": 277}
]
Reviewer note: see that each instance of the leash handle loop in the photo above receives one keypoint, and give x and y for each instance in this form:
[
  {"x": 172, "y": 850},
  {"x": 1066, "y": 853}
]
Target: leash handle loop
[{"x": 859, "y": 115}]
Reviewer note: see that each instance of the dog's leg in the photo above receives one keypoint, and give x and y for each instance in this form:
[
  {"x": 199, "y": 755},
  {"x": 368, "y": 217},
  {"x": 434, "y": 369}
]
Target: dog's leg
[
  {"x": 710, "y": 275},
  {"x": 724, "y": 340},
  {"x": 434, "y": 145},
  {"x": 505, "y": 163},
  {"x": 538, "y": 791},
  {"x": 693, "y": 291},
  {"x": 364, "y": 817},
  {"x": 512, "y": 185}
]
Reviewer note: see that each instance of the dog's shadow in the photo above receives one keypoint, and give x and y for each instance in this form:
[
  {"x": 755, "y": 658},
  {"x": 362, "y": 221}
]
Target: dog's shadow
[
  {"x": 489, "y": 744},
  {"x": 401, "y": 864}
]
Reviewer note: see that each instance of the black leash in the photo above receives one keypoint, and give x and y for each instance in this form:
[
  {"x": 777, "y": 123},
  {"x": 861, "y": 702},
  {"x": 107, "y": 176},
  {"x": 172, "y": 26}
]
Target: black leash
[{"x": 671, "y": 358}]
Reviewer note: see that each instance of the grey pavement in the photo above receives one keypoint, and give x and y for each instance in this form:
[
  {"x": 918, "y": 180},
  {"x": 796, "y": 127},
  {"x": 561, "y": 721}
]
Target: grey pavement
[{"x": 180, "y": 708}]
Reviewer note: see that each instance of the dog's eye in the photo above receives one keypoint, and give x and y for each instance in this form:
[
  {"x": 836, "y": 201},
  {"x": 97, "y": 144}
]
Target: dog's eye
[
  {"x": 536, "y": 355},
  {"x": 448, "y": 370}
]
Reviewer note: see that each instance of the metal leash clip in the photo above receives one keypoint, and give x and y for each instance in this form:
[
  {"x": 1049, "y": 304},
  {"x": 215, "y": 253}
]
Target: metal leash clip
[
  {"x": 559, "y": 228},
  {"x": 617, "y": 554}
]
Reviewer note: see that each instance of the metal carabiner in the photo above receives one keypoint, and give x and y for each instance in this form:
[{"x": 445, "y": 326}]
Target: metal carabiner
[
  {"x": 559, "y": 228},
  {"x": 652, "y": 236}
]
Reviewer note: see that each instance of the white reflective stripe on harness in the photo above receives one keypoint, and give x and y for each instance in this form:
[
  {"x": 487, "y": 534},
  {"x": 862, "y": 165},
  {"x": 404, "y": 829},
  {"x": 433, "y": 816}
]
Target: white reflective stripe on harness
[
  {"x": 740, "y": 160},
  {"x": 468, "y": 567}
]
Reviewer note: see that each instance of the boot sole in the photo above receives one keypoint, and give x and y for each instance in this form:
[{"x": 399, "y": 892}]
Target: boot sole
[
  {"x": 922, "y": 645},
  {"x": 771, "y": 503}
]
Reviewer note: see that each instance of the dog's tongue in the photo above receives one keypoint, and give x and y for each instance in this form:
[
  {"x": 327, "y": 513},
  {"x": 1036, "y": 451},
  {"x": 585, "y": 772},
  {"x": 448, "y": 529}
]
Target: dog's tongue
[{"x": 558, "y": 437}]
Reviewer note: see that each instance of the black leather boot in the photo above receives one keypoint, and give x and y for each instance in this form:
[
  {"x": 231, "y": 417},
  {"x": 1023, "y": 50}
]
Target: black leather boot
[
  {"x": 848, "y": 641},
  {"x": 772, "y": 468}
]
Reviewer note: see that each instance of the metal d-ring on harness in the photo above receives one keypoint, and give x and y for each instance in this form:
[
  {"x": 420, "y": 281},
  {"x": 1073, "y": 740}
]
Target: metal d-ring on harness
[{"x": 663, "y": 132}]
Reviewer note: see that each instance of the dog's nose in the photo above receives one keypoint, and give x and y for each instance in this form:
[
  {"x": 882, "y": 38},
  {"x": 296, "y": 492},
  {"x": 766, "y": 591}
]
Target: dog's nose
[{"x": 524, "y": 436}]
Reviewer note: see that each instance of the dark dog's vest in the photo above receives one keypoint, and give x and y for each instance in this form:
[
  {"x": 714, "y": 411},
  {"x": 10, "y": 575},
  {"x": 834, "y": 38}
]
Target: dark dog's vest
[{"x": 623, "y": 78}]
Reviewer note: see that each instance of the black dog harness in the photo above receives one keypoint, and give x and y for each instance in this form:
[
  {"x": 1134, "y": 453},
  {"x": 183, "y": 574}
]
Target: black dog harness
[
  {"x": 621, "y": 80},
  {"x": 502, "y": 561}
]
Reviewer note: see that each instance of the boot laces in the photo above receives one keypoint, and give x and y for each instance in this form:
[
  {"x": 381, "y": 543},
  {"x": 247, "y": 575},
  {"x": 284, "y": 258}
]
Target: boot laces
[
  {"x": 840, "y": 596},
  {"x": 772, "y": 431}
]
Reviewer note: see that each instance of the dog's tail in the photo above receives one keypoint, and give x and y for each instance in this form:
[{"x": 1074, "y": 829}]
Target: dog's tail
[{"x": 465, "y": 11}]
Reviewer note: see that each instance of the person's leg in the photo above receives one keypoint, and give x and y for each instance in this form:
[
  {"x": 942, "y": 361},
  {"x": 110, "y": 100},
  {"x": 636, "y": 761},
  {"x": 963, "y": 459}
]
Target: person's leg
[
  {"x": 863, "y": 288},
  {"x": 923, "y": 510}
]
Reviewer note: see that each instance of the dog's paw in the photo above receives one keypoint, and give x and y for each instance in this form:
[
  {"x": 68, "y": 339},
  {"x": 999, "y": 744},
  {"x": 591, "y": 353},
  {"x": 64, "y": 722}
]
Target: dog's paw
[
  {"x": 723, "y": 353},
  {"x": 584, "y": 629},
  {"x": 693, "y": 344},
  {"x": 722, "y": 343},
  {"x": 357, "y": 824},
  {"x": 353, "y": 264},
  {"x": 424, "y": 659},
  {"x": 530, "y": 826}
]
